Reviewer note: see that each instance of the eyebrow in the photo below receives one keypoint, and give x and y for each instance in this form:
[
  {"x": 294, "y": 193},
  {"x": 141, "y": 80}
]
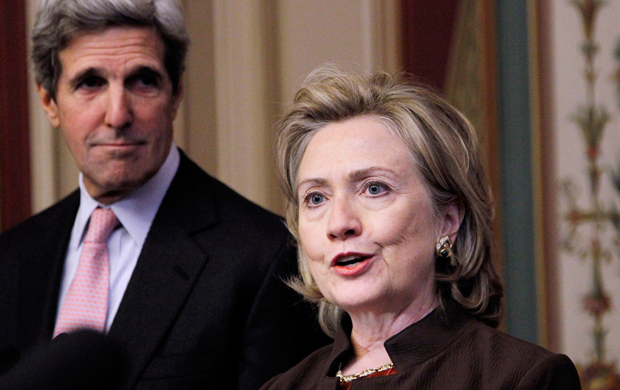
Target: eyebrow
[
  {"x": 354, "y": 176},
  {"x": 95, "y": 72},
  {"x": 78, "y": 78},
  {"x": 364, "y": 173},
  {"x": 317, "y": 181},
  {"x": 146, "y": 70}
]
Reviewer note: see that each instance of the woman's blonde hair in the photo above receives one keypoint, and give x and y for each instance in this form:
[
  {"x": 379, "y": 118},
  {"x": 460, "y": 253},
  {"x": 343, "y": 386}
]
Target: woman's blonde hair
[{"x": 444, "y": 150}]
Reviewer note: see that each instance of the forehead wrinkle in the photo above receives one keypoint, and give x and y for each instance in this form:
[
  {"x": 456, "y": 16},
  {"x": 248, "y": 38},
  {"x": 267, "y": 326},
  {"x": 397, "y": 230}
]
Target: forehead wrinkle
[
  {"x": 99, "y": 43},
  {"x": 109, "y": 45},
  {"x": 96, "y": 56}
]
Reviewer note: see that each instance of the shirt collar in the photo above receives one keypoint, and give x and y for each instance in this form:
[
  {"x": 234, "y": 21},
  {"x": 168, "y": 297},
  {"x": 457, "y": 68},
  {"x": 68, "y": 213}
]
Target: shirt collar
[{"x": 137, "y": 210}]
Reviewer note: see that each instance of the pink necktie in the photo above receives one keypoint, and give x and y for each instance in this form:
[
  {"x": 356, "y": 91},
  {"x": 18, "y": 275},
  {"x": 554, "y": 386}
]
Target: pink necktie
[{"x": 86, "y": 303}]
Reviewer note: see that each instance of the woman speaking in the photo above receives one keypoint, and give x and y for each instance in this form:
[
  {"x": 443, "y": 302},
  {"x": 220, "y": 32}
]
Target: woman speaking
[{"x": 391, "y": 209}]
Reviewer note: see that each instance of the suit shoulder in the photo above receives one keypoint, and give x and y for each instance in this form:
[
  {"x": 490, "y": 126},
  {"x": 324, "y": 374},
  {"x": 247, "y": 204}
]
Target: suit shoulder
[
  {"x": 199, "y": 189},
  {"x": 62, "y": 212},
  {"x": 556, "y": 371},
  {"x": 514, "y": 360},
  {"x": 221, "y": 221},
  {"x": 510, "y": 346},
  {"x": 243, "y": 218}
]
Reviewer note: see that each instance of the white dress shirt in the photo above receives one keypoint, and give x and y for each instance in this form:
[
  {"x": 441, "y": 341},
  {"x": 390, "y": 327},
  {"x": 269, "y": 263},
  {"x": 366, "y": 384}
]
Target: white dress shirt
[{"x": 135, "y": 212}]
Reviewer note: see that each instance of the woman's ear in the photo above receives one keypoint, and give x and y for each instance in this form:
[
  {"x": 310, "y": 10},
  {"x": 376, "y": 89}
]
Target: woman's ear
[
  {"x": 49, "y": 106},
  {"x": 452, "y": 220}
]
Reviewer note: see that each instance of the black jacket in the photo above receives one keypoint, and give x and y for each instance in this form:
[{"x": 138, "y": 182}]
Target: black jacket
[{"x": 205, "y": 307}]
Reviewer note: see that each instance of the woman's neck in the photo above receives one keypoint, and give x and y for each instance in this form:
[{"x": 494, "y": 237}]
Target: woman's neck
[{"x": 372, "y": 328}]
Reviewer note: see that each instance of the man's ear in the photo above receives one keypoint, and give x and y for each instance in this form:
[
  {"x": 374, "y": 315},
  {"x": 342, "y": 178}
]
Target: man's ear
[
  {"x": 452, "y": 220},
  {"x": 177, "y": 97},
  {"x": 49, "y": 106}
]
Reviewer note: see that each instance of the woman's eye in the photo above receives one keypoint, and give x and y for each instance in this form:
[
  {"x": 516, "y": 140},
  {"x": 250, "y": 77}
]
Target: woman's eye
[
  {"x": 376, "y": 189},
  {"x": 316, "y": 199}
]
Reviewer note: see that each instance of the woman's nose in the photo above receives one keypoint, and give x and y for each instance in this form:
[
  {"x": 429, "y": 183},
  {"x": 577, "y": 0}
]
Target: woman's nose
[
  {"x": 343, "y": 221},
  {"x": 118, "y": 112}
]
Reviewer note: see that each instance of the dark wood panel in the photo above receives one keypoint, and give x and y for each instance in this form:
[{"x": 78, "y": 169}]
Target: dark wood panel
[
  {"x": 14, "y": 141},
  {"x": 427, "y": 32}
]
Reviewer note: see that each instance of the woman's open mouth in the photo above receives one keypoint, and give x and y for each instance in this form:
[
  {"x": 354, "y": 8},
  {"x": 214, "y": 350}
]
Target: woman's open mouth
[{"x": 350, "y": 264}]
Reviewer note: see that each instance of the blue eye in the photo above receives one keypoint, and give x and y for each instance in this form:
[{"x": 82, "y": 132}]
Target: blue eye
[
  {"x": 316, "y": 199},
  {"x": 376, "y": 189}
]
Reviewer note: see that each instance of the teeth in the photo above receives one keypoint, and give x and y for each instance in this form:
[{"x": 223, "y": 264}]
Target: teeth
[{"x": 349, "y": 260}]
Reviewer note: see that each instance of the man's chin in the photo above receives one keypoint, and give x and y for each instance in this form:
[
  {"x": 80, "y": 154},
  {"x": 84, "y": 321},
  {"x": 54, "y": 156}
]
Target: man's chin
[
  {"x": 116, "y": 178},
  {"x": 111, "y": 191}
]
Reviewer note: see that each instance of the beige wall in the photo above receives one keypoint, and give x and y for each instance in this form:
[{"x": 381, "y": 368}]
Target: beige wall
[{"x": 247, "y": 58}]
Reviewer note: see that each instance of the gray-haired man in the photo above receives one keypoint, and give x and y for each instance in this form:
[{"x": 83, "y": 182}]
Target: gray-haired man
[{"x": 193, "y": 271}]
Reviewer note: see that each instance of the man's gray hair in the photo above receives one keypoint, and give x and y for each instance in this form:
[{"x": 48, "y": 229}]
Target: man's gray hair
[{"x": 58, "y": 21}]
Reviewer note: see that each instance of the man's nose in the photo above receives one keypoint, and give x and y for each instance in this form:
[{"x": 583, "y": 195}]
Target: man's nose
[
  {"x": 118, "y": 112},
  {"x": 344, "y": 222}
]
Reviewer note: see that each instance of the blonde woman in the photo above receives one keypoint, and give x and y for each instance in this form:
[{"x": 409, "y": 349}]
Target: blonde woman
[{"x": 390, "y": 206}]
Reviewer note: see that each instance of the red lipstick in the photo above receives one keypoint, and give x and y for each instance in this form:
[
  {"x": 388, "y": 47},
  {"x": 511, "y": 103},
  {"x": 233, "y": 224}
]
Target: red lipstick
[{"x": 350, "y": 263}]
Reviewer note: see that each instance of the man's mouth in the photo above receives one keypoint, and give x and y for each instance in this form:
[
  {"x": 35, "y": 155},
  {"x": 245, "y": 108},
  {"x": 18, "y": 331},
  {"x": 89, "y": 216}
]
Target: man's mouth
[{"x": 120, "y": 144}]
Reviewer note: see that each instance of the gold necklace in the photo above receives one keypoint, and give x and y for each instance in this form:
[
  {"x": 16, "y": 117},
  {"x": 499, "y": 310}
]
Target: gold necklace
[{"x": 349, "y": 378}]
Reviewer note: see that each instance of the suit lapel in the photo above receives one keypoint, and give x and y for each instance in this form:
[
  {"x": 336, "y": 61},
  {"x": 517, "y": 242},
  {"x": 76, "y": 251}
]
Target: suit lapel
[
  {"x": 168, "y": 267},
  {"x": 163, "y": 278}
]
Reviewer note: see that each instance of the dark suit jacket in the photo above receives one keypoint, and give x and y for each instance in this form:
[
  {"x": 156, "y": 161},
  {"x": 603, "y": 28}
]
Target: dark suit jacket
[
  {"x": 443, "y": 351},
  {"x": 205, "y": 306}
]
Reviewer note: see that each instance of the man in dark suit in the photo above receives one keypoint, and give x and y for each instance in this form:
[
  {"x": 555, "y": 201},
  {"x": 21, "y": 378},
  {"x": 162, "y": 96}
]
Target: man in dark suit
[{"x": 194, "y": 272}]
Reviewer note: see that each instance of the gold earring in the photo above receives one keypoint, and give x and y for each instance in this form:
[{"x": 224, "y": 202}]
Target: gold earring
[{"x": 443, "y": 248}]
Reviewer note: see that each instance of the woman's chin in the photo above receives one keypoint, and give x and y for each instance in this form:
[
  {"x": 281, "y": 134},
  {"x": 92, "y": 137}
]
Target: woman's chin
[{"x": 353, "y": 301}]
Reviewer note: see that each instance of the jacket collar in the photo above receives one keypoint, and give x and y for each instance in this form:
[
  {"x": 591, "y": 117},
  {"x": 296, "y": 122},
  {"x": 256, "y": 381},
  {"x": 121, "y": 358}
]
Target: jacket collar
[{"x": 413, "y": 345}]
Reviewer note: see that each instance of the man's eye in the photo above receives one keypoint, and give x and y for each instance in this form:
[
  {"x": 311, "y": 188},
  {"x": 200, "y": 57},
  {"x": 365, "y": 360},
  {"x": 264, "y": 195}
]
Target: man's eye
[
  {"x": 91, "y": 82},
  {"x": 147, "y": 81}
]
